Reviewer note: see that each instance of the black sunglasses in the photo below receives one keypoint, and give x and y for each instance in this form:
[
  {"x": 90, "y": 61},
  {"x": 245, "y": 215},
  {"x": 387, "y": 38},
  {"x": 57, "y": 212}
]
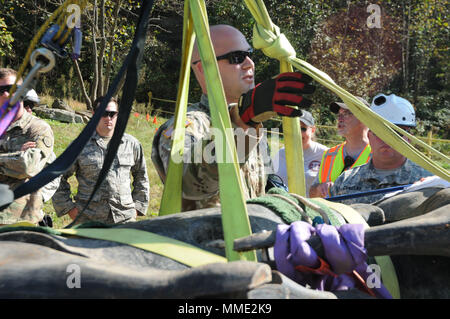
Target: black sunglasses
[
  {"x": 7, "y": 88},
  {"x": 29, "y": 104},
  {"x": 304, "y": 129},
  {"x": 110, "y": 114},
  {"x": 234, "y": 57}
]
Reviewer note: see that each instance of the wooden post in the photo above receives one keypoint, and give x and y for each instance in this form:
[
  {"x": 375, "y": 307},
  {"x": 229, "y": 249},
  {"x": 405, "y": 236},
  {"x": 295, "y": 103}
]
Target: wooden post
[{"x": 430, "y": 137}]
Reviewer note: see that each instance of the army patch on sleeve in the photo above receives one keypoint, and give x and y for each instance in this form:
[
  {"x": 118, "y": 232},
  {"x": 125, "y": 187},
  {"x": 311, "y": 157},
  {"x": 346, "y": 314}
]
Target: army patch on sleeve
[
  {"x": 169, "y": 131},
  {"x": 47, "y": 141}
]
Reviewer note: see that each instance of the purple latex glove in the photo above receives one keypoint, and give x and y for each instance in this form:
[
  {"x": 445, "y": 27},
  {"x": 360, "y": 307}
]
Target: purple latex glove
[
  {"x": 343, "y": 246},
  {"x": 344, "y": 251},
  {"x": 287, "y": 249}
]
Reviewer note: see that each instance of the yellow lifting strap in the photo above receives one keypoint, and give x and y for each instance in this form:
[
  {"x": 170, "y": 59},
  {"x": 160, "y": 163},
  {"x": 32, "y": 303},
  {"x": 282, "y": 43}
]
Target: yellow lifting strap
[
  {"x": 161, "y": 245},
  {"x": 388, "y": 273},
  {"x": 235, "y": 219},
  {"x": 291, "y": 126},
  {"x": 172, "y": 194},
  {"x": 268, "y": 38}
]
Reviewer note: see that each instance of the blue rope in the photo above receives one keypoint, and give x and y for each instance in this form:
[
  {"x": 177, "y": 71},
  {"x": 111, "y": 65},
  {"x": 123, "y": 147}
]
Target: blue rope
[{"x": 367, "y": 193}]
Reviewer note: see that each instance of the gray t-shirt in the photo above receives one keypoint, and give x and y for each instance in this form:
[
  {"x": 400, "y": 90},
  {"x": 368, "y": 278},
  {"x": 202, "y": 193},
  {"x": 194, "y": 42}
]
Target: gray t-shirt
[{"x": 312, "y": 157}]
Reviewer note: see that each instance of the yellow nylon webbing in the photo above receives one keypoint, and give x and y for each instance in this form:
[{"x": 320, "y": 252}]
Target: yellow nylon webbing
[
  {"x": 293, "y": 149},
  {"x": 235, "y": 220},
  {"x": 291, "y": 126},
  {"x": 165, "y": 246},
  {"x": 381, "y": 127},
  {"x": 388, "y": 273},
  {"x": 171, "y": 201},
  {"x": 162, "y": 245}
]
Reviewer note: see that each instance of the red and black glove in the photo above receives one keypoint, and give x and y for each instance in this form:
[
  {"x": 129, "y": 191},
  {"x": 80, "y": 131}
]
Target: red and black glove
[{"x": 271, "y": 97}]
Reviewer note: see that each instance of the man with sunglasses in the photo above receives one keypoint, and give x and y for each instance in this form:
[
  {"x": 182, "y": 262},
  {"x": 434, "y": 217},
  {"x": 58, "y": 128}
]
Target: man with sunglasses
[
  {"x": 387, "y": 167},
  {"x": 353, "y": 152},
  {"x": 249, "y": 106},
  {"x": 115, "y": 201},
  {"x": 19, "y": 163}
]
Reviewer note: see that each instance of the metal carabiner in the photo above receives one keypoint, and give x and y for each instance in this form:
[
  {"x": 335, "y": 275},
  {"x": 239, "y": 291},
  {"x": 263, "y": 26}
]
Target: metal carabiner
[
  {"x": 38, "y": 67},
  {"x": 47, "y": 54}
]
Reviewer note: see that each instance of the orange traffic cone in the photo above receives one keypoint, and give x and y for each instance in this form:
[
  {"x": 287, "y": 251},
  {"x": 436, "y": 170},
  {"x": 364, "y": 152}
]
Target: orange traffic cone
[
  {"x": 147, "y": 117},
  {"x": 154, "y": 120}
]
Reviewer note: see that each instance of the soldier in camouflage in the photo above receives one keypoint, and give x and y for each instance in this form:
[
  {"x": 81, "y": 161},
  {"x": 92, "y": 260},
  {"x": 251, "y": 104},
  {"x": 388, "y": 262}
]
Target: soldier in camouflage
[
  {"x": 200, "y": 178},
  {"x": 19, "y": 163},
  {"x": 387, "y": 167},
  {"x": 200, "y": 183},
  {"x": 30, "y": 101},
  {"x": 114, "y": 201},
  {"x": 367, "y": 177}
]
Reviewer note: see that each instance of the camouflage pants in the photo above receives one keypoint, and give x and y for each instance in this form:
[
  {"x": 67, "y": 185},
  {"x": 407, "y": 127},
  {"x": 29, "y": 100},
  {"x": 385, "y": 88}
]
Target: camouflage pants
[
  {"x": 26, "y": 208},
  {"x": 85, "y": 218}
]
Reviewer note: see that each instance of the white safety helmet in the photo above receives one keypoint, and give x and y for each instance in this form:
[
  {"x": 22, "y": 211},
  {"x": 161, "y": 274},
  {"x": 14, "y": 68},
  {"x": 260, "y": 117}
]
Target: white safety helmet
[
  {"x": 31, "y": 96},
  {"x": 395, "y": 109}
]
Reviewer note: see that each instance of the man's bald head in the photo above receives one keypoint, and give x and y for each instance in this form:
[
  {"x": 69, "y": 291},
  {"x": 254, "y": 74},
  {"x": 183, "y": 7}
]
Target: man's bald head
[
  {"x": 237, "y": 78},
  {"x": 223, "y": 37}
]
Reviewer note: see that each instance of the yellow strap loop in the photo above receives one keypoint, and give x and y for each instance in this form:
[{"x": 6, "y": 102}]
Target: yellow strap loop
[
  {"x": 267, "y": 36},
  {"x": 273, "y": 43}
]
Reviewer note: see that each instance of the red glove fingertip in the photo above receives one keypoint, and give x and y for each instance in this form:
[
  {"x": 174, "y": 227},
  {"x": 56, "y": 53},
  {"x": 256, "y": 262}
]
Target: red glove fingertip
[{"x": 282, "y": 110}]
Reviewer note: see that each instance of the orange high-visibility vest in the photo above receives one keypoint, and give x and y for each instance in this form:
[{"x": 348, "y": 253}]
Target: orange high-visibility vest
[{"x": 332, "y": 163}]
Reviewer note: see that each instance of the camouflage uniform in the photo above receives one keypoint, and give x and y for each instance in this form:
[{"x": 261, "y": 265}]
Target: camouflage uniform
[
  {"x": 17, "y": 166},
  {"x": 48, "y": 190},
  {"x": 200, "y": 178},
  {"x": 365, "y": 178},
  {"x": 114, "y": 201}
]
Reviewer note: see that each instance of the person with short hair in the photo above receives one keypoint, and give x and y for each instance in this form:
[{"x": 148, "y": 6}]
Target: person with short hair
[
  {"x": 353, "y": 152},
  {"x": 19, "y": 163},
  {"x": 119, "y": 199},
  {"x": 312, "y": 153},
  {"x": 30, "y": 101},
  {"x": 387, "y": 167},
  {"x": 248, "y": 105}
]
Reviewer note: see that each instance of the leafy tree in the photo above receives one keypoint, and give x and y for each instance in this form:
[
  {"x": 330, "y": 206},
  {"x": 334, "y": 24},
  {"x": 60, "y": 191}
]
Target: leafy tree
[{"x": 6, "y": 39}]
